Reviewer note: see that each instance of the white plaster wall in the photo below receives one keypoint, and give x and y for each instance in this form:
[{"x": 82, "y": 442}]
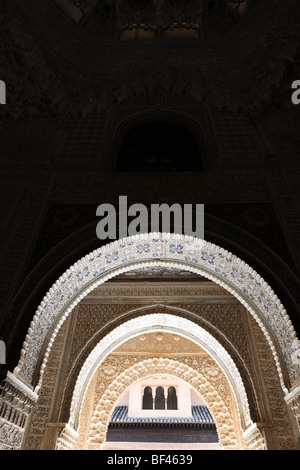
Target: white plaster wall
[
  {"x": 196, "y": 400},
  {"x": 124, "y": 400}
]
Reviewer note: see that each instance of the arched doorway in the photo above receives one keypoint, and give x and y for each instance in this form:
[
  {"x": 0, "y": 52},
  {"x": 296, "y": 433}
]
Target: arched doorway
[{"x": 192, "y": 255}]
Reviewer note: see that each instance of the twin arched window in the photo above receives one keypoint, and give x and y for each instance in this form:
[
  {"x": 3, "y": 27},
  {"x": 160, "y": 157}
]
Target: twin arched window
[{"x": 160, "y": 401}]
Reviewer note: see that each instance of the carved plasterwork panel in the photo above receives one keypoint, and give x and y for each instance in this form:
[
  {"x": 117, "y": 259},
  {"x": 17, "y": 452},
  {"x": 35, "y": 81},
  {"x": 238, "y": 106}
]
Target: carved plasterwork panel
[
  {"x": 39, "y": 417},
  {"x": 254, "y": 438},
  {"x": 10, "y": 436},
  {"x": 16, "y": 402},
  {"x": 159, "y": 343},
  {"x": 276, "y": 403}
]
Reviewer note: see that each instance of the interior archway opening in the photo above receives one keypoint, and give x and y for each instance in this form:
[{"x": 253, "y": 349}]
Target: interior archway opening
[
  {"x": 181, "y": 420},
  {"x": 192, "y": 400},
  {"x": 145, "y": 263}
]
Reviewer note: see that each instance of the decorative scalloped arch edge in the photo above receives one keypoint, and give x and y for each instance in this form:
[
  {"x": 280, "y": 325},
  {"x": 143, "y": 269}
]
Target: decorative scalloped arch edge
[
  {"x": 158, "y": 249},
  {"x": 165, "y": 323},
  {"x": 156, "y": 366}
]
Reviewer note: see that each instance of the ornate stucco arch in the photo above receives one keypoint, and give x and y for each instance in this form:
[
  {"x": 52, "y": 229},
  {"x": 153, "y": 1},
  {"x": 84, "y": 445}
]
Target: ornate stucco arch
[
  {"x": 230, "y": 435},
  {"x": 170, "y": 250},
  {"x": 165, "y": 323}
]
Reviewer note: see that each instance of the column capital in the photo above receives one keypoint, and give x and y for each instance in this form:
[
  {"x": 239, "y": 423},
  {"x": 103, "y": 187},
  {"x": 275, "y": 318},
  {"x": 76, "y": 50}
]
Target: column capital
[
  {"x": 66, "y": 437},
  {"x": 254, "y": 438}
]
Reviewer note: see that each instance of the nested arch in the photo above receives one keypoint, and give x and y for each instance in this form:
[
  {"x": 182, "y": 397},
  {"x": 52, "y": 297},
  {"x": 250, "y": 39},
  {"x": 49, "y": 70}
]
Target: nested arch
[
  {"x": 229, "y": 432},
  {"x": 170, "y": 250},
  {"x": 160, "y": 323},
  {"x": 151, "y": 317}
]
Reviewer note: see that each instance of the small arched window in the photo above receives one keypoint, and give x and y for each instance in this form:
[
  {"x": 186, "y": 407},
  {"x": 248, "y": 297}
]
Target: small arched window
[
  {"x": 160, "y": 399},
  {"x": 172, "y": 399},
  {"x": 148, "y": 399},
  {"x": 159, "y": 146}
]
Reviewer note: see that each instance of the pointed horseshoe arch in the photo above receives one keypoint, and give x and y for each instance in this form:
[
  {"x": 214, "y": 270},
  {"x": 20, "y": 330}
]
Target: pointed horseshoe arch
[{"x": 156, "y": 249}]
